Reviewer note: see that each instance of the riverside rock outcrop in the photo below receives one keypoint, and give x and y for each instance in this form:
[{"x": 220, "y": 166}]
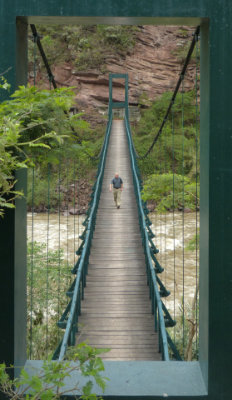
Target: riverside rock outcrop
[{"x": 153, "y": 67}]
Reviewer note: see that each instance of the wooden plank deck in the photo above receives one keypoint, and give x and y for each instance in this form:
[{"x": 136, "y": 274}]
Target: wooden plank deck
[{"x": 116, "y": 311}]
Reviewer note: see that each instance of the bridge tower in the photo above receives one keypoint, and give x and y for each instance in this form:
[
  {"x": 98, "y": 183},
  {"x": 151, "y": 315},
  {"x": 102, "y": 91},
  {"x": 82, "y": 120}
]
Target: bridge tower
[{"x": 118, "y": 104}]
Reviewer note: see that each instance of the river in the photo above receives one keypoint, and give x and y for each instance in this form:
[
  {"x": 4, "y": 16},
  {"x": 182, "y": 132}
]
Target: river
[{"x": 180, "y": 265}]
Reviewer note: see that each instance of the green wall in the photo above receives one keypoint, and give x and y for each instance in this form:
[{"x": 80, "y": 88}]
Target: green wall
[{"x": 216, "y": 177}]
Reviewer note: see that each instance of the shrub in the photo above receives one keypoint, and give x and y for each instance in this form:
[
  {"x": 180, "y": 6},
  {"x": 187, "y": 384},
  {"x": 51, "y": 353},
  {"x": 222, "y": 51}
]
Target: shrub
[{"x": 170, "y": 192}]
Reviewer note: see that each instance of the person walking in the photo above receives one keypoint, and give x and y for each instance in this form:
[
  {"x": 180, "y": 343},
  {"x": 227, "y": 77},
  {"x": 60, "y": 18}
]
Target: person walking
[{"x": 117, "y": 185}]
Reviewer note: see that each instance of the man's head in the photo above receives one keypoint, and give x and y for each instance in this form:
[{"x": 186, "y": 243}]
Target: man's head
[{"x": 116, "y": 175}]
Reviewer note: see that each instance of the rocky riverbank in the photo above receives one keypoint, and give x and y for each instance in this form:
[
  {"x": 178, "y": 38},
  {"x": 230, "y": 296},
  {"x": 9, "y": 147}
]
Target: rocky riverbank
[{"x": 74, "y": 199}]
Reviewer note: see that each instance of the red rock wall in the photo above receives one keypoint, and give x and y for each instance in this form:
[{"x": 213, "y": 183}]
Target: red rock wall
[{"x": 152, "y": 68}]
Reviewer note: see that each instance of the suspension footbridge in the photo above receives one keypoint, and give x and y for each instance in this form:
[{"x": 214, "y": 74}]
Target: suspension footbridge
[
  {"x": 121, "y": 305},
  {"x": 117, "y": 295},
  {"x": 210, "y": 377},
  {"x": 116, "y": 311},
  {"x": 117, "y": 274}
]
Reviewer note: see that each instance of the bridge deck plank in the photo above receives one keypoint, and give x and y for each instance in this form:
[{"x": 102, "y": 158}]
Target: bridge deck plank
[{"x": 116, "y": 311}]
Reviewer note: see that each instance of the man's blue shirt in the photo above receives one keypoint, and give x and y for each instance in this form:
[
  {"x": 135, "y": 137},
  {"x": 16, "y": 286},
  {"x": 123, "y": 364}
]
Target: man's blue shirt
[{"x": 117, "y": 182}]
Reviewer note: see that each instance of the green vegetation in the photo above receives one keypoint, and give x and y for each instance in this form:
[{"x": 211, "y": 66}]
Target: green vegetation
[
  {"x": 172, "y": 162},
  {"x": 171, "y": 182},
  {"x": 30, "y": 123},
  {"x": 36, "y": 129},
  {"x": 48, "y": 278},
  {"x": 185, "y": 334},
  {"x": 49, "y": 382},
  {"x": 85, "y": 46},
  {"x": 61, "y": 168},
  {"x": 193, "y": 243},
  {"x": 183, "y": 32},
  {"x": 184, "y": 39},
  {"x": 181, "y": 52},
  {"x": 166, "y": 190}
]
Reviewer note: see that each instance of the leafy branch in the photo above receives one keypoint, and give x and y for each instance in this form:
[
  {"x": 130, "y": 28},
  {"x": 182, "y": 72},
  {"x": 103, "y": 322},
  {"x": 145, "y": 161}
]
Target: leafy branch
[
  {"x": 49, "y": 383},
  {"x": 30, "y": 120}
]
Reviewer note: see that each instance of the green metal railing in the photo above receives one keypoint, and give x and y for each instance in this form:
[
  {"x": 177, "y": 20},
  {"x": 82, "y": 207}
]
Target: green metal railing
[
  {"x": 69, "y": 319},
  {"x": 162, "y": 318}
]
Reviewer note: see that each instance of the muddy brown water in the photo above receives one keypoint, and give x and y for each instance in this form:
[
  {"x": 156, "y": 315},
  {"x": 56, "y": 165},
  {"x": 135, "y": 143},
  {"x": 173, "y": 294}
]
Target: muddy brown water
[
  {"x": 180, "y": 265},
  {"x": 56, "y": 232}
]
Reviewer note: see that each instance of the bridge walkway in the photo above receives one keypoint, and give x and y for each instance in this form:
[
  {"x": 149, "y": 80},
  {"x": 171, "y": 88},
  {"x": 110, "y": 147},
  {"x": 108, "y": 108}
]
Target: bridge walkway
[{"x": 116, "y": 311}]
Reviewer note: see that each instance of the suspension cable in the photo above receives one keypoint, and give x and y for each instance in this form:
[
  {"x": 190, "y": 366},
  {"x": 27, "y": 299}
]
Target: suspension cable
[
  {"x": 43, "y": 55},
  {"x": 48, "y": 69},
  {"x": 32, "y": 263},
  {"x": 32, "y": 259},
  {"x": 172, "y": 101},
  {"x": 52, "y": 82},
  {"x": 196, "y": 172},
  {"x": 173, "y": 221},
  {"x": 68, "y": 276},
  {"x": 183, "y": 218},
  {"x": 160, "y": 216},
  {"x": 74, "y": 211},
  {"x": 47, "y": 256},
  {"x": 59, "y": 243},
  {"x": 35, "y": 56},
  {"x": 165, "y": 215}
]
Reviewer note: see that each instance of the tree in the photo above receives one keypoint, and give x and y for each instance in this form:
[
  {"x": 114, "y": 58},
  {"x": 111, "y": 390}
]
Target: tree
[{"x": 31, "y": 120}]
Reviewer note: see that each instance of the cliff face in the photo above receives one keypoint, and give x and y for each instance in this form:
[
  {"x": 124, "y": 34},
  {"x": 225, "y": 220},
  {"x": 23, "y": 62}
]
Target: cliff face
[{"x": 153, "y": 67}]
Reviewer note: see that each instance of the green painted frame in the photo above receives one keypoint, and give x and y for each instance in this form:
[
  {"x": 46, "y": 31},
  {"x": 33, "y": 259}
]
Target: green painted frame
[
  {"x": 118, "y": 104},
  {"x": 211, "y": 377}
]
